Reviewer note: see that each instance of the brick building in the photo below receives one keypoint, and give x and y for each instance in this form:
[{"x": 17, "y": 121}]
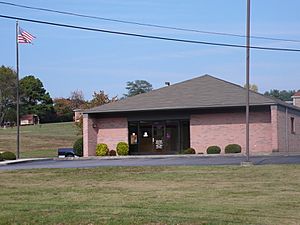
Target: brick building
[{"x": 196, "y": 113}]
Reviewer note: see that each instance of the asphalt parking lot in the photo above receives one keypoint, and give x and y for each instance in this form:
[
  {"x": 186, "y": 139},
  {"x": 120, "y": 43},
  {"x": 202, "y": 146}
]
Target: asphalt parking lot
[{"x": 153, "y": 161}]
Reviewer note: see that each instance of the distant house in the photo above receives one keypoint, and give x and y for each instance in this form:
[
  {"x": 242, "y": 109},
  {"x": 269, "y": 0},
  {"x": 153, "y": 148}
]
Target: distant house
[
  {"x": 196, "y": 113},
  {"x": 296, "y": 98},
  {"x": 29, "y": 119}
]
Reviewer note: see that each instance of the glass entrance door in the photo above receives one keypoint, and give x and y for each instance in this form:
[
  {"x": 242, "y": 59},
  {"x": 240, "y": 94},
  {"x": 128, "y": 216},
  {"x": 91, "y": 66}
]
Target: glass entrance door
[
  {"x": 145, "y": 137},
  {"x": 158, "y": 129},
  {"x": 154, "y": 137}
]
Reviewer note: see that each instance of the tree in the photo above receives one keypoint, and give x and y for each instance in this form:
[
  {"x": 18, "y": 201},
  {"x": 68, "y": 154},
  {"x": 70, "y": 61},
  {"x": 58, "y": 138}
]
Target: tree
[
  {"x": 8, "y": 84},
  {"x": 77, "y": 99},
  {"x": 138, "y": 87},
  {"x": 63, "y": 109},
  {"x": 283, "y": 95},
  {"x": 100, "y": 98},
  {"x": 35, "y": 99},
  {"x": 252, "y": 87}
]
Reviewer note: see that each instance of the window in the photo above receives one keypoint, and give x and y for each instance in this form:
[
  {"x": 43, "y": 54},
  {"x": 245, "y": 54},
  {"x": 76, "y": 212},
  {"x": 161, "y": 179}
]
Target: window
[{"x": 293, "y": 125}]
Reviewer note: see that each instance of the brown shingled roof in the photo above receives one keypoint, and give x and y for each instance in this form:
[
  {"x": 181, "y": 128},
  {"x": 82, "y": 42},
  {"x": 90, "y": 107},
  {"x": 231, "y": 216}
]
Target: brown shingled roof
[
  {"x": 201, "y": 92},
  {"x": 297, "y": 93}
]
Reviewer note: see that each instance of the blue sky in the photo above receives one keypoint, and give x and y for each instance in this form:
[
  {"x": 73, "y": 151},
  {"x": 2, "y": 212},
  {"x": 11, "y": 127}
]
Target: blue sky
[{"x": 67, "y": 60}]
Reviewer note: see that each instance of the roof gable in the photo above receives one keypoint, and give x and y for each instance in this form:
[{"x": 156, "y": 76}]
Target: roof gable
[
  {"x": 297, "y": 94},
  {"x": 201, "y": 92}
]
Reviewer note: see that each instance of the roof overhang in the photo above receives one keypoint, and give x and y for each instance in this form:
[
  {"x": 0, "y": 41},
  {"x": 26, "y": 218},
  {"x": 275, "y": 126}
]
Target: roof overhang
[{"x": 176, "y": 109}]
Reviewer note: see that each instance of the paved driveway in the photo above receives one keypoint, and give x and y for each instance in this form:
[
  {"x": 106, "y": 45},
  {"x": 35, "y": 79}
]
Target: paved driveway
[{"x": 148, "y": 161}]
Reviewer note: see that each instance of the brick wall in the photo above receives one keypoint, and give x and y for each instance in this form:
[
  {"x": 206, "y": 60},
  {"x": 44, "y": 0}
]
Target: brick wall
[
  {"x": 268, "y": 131},
  {"x": 103, "y": 130},
  {"x": 294, "y": 138},
  {"x": 226, "y": 128},
  {"x": 112, "y": 131},
  {"x": 288, "y": 142},
  {"x": 89, "y": 136},
  {"x": 274, "y": 128}
]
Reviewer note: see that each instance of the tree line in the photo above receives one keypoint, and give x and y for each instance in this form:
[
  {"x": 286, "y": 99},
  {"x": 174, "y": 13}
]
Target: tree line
[
  {"x": 34, "y": 99},
  {"x": 284, "y": 95}
]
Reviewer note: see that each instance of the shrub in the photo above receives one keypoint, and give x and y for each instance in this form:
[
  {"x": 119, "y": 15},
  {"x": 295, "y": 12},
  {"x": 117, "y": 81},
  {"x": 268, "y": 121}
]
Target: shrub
[
  {"x": 213, "y": 150},
  {"x": 112, "y": 153},
  {"x": 102, "y": 149},
  {"x": 8, "y": 156},
  {"x": 122, "y": 148},
  {"x": 1, "y": 159},
  {"x": 78, "y": 147},
  {"x": 189, "y": 151},
  {"x": 233, "y": 148}
]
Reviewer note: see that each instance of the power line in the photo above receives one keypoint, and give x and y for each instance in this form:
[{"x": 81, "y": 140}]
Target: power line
[
  {"x": 149, "y": 36},
  {"x": 146, "y": 24}
]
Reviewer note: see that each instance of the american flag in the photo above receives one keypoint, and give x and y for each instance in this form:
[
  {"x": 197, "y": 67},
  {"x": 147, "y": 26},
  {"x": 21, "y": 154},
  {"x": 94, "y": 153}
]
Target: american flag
[{"x": 24, "y": 37}]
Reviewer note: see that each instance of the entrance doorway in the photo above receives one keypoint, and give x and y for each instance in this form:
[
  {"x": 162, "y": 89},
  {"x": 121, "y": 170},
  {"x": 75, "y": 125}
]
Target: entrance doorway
[{"x": 158, "y": 137}]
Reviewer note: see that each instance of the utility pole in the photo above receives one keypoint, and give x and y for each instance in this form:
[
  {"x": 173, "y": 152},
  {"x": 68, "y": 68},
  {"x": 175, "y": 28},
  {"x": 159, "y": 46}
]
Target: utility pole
[
  {"x": 247, "y": 79},
  {"x": 18, "y": 92}
]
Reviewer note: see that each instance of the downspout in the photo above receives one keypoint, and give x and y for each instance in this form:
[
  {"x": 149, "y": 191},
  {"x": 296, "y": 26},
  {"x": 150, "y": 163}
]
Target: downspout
[{"x": 286, "y": 131}]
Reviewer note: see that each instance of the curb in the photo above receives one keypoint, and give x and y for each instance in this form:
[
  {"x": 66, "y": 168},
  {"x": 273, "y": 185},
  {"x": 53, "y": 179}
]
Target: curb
[
  {"x": 148, "y": 157},
  {"x": 168, "y": 156},
  {"x": 8, "y": 162}
]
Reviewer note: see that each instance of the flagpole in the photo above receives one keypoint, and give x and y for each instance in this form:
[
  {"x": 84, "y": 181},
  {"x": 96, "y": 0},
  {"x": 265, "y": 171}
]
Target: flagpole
[{"x": 18, "y": 92}]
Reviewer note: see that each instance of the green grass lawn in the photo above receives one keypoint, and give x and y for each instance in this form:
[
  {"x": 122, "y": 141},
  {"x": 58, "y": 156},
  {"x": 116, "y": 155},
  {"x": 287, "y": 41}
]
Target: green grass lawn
[
  {"x": 39, "y": 140},
  {"x": 152, "y": 195}
]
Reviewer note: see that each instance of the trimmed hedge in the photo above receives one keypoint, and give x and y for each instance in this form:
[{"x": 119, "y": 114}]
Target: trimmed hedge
[
  {"x": 78, "y": 147},
  {"x": 233, "y": 148},
  {"x": 112, "y": 153},
  {"x": 213, "y": 150},
  {"x": 122, "y": 148},
  {"x": 102, "y": 149},
  {"x": 8, "y": 155},
  {"x": 189, "y": 151}
]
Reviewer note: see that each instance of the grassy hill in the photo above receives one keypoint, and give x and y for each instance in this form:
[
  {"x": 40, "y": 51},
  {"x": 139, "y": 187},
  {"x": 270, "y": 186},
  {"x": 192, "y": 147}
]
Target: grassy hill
[{"x": 39, "y": 140}]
